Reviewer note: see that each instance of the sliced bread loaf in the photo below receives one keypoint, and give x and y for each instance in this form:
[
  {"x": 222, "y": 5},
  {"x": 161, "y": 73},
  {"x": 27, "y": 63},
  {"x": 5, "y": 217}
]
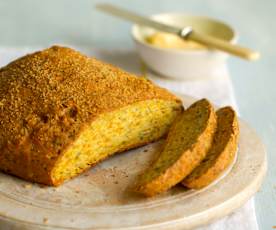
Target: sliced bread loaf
[
  {"x": 221, "y": 153},
  {"x": 61, "y": 112},
  {"x": 187, "y": 143}
]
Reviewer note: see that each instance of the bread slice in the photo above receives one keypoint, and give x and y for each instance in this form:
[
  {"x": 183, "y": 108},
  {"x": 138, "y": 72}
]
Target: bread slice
[
  {"x": 221, "y": 154},
  {"x": 61, "y": 112},
  {"x": 187, "y": 143}
]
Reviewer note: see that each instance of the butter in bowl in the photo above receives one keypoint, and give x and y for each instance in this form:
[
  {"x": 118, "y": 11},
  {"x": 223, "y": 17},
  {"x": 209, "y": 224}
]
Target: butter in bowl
[
  {"x": 173, "y": 57},
  {"x": 172, "y": 41}
]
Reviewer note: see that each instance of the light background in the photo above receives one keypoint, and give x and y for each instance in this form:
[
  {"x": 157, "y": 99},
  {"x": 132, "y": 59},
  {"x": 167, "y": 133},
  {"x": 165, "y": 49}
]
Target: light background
[{"x": 42, "y": 23}]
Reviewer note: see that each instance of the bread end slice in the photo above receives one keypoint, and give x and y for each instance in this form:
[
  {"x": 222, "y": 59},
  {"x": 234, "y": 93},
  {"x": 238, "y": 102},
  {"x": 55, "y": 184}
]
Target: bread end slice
[
  {"x": 221, "y": 154},
  {"x": 187, "y": 143}
]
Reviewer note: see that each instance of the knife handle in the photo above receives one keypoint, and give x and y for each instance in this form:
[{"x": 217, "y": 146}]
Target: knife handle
[{"x": 225, "y": 46}]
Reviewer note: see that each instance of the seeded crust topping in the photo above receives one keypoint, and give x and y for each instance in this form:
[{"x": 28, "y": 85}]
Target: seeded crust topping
[{"x": 48, "y": 97}]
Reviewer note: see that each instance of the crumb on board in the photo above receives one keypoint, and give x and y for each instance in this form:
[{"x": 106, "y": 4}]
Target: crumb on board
[
  {"x": 27, "y": 186},
  {"x": 42, "y": 186},
  {"x": 45, "y": 220}
]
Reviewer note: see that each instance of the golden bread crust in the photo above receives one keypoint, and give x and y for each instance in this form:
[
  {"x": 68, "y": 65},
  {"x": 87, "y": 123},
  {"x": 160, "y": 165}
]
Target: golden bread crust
[
  {"x": 47, "y": 98},
  {"x": 189, "y": 158},
  {"x": 221, "y": 154}
]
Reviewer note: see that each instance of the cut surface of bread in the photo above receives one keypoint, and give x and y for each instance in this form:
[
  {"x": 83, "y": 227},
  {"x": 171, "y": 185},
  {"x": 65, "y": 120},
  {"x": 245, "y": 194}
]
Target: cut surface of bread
[
  {"x": 221, "y": 154},
  {"x": 61, "y": 111},
  {"x": 125, "y": 128},
  {"x": 187, "y": 143}
]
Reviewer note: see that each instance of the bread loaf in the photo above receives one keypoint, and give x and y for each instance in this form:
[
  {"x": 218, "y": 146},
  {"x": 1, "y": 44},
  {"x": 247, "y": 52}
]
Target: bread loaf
[{"x": 61, "y": 112}]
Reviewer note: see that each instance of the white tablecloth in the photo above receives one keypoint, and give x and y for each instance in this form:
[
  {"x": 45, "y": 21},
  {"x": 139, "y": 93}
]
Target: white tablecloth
[{"x": 219, "y": 90}]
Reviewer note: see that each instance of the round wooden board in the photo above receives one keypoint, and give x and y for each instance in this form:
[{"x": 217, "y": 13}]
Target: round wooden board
[{"x": 100, "y": 198}]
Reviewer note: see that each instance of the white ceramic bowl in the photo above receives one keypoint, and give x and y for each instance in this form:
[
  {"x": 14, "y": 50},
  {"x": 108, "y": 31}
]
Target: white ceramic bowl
[{"x": 182, "y": 63}]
